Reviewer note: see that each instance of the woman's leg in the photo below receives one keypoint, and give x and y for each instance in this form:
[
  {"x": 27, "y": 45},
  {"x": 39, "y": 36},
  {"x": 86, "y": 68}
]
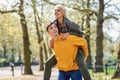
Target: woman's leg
[
  {"x": 48, "y": 66},
  {"x": 81, "y": 64}
]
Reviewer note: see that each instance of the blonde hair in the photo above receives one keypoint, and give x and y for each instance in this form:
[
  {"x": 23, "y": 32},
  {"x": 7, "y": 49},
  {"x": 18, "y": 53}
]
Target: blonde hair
[{"x": 62, "y": 8}]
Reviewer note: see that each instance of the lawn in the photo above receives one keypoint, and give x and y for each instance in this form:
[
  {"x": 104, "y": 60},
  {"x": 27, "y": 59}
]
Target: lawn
[{"x": 102, "y": 75}]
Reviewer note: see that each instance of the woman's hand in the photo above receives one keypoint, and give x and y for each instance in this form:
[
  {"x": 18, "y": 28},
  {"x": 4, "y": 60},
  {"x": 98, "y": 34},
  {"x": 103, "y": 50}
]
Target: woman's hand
[{"x": 64, "y": 36}]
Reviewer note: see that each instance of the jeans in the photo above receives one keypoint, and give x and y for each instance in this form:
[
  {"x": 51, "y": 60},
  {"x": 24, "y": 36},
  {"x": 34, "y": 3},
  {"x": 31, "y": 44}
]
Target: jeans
[
  {"x": 79, "y": 60},
  {"x": 73, "y": 75}
]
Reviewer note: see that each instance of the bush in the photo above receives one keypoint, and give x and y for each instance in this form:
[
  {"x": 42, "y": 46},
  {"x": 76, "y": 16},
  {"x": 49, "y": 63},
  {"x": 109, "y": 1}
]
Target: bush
[{"x": 3, "y": 62}]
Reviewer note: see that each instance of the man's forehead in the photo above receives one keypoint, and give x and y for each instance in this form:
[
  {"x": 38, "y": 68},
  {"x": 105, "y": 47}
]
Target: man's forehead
[{"x": 52, "y": 25}]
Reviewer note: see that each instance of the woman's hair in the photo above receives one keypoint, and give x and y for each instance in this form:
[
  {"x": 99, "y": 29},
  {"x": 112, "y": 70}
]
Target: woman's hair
[{"x": 62, "y": 8}]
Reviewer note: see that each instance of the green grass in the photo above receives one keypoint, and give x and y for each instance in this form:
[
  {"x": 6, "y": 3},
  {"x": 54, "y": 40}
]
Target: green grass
[{"x": 102, "y": 75}]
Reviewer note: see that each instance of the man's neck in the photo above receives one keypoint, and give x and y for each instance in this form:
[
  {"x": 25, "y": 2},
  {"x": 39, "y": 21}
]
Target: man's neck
[{"x": 55, "y": 37}]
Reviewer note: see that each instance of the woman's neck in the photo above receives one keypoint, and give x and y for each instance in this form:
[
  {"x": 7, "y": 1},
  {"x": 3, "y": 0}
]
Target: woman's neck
[{"x": 60, "y": 21}]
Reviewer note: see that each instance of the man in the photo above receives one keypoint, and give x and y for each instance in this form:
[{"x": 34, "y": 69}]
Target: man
[
  {"x": 66, "y": 27},
  {"x": 65, "y": 53}
]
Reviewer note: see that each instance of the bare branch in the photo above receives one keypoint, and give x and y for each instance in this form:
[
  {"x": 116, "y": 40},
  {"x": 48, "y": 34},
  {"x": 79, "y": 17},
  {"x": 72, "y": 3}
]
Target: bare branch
[
  {"x": 15, "y": 5},
  {"x": 86, "y": 10},
  {"x": 47, "y": 1},
  {"x": 108, "y": 2},
  {"x": 111, "y": 5},
  {"x": 111, "y": 17},
  {"x": 10, "y": 11},
  {"x": 75, "y": 7},
  {"x": 117, "y": 8}
]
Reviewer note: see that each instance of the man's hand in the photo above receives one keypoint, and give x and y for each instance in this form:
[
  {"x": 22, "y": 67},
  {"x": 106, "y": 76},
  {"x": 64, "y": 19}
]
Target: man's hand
[{"x": 64, "y": 36}]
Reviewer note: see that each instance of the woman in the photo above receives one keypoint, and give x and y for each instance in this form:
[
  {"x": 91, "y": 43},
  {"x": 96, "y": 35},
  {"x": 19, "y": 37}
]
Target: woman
[{"x": 67, "y": 27}]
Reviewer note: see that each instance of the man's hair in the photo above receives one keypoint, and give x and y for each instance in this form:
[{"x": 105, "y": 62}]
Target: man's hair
[{"x": 48, "y": 25}]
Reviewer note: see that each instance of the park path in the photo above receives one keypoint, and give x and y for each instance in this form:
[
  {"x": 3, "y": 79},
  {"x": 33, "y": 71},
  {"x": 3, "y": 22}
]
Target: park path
[
  {"x": 6, "y": 72},
  {"x": 54, "y": 75}
]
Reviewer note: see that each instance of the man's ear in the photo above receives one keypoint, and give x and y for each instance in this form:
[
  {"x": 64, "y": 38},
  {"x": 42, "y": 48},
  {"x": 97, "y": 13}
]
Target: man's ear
[{"x": 48, "y": 32}]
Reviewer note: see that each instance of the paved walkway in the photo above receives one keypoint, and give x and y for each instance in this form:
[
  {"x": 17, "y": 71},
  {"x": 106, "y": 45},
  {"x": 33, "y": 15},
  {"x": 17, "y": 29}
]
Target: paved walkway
[
  {"x": 6, "y": 72},
  {"x": 54, "y": 75}
]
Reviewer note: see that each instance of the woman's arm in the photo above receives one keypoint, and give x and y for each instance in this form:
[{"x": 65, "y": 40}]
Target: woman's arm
[
  {"x": 73, "y": 27},
  {"x": 75, "y": 40}
]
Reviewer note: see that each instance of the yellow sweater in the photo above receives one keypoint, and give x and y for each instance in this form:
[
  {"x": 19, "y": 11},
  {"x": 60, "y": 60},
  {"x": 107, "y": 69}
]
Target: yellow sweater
[{"x": 66, "y": 50}]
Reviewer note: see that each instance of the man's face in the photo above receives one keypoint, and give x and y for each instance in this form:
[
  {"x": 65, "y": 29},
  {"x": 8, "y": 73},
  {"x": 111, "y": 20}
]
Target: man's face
[{"x": 53, "y": 30}]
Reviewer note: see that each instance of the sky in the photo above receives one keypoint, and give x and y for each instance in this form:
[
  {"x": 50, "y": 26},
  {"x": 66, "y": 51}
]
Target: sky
[{"x": 113, "y": 31}]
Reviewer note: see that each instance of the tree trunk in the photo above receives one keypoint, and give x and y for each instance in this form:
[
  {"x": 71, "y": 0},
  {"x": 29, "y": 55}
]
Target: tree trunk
[
  {"x": 5, "y": 50},
  {"x": 99, "y": 38},
  {"x": 12, "y": 56},
  {"x": 45, "y": 51},
  {"x": 26, "y": 43},
  {"x": 87, "y": 36},
  {"x": 41, "y": 43},
  {"x": 19, "y": 56},
  {"x": 117, "y": 72},
  {"x": 40, "y": 38},
  {"x": 41, "y": 59}
]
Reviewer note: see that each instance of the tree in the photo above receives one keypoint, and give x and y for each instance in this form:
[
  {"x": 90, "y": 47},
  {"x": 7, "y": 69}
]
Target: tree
[
  {"x": 99, "y": 31},
  {"x": 40, "y": 38},
  {"x": 87, "y": 36},
  {"x": 117, "y": 72},
  {"x": 10, "y": 34},
  {"x": 99, "y": 38},
  {"x": 26, "y": 43}
]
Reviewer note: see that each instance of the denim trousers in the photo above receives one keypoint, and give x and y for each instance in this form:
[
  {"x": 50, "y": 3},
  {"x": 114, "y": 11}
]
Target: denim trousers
[
  {"x": 79, "y": 60},
  {"x": 67, "y": 75}
]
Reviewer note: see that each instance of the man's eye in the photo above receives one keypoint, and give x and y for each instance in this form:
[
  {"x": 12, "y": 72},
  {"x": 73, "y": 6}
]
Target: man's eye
[
  {"x": 55, "y": 26},
  {"x": 51, "y": 28}
]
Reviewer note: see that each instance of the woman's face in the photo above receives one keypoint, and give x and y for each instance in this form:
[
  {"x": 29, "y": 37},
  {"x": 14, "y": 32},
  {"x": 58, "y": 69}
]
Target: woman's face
[{"x": 58, "y": 12}]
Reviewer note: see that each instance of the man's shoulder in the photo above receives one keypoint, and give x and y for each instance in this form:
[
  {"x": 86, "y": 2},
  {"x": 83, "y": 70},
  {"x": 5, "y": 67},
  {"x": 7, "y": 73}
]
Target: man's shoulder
[{"x": 72, "y": 36}]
